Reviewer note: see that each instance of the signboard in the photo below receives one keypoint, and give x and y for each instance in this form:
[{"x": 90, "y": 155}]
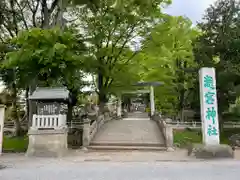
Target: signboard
[
  {"x": 209, "y": 108},
  {"x": 48, "y": 108},
  {"x": 2, "y": 111}
]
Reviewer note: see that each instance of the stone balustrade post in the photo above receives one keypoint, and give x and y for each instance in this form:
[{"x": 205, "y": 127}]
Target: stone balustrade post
[
  {"x": 119, "y": 107},
  {"x": 2, "y": 113},
  {"x": 152, "y": 101},
  {"x": 62, "y": 120},
  {"x": 169, "y": 136},
  {"x": 86, "y": 133}
]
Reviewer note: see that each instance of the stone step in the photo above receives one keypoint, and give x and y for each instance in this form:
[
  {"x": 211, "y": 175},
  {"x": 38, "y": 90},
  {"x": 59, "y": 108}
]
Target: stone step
[
  {"x": 105, "y": 143},
  {"x": 135, "y": 119},
  {"x": 126, "y": 148}
]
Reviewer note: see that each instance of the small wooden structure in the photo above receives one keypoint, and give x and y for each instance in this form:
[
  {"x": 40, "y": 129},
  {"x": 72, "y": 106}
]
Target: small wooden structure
[
  {"x": 50, "y": 111},
  {"x": 48, "y": 130}
]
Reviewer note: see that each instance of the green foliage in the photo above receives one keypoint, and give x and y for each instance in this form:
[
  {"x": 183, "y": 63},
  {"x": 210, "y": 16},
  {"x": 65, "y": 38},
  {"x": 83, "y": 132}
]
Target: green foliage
[
  {"x": 218, "y": 47},
  {"x": 111, "y": 28},
  {"x": 168, "y": 52},
  {"x": 45, "y": 55}
]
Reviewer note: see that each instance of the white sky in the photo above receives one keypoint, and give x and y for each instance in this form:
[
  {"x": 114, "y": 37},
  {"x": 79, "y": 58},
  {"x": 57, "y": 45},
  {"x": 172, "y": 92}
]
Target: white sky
[{"x": 193, "y": 9}]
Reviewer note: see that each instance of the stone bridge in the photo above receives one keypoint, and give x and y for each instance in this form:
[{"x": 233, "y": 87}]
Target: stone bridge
[
  {"x": 48, "y": 135},
  {"x": 136, "y": 132}
]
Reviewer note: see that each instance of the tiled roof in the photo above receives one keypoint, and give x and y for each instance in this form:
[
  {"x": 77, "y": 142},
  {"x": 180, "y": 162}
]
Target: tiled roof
[{"x": 50, "y": 93}]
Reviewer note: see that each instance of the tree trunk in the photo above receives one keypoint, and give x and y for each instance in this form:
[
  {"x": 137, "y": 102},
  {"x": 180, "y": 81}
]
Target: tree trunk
[
  {"x": 27, "y": 103},
  {"x": 220, "y": 122},
  {"x": 102, "y": 101},
  {"x": 60, "y": 19},
  {"x": 181, "y": 104},
  {"x": 32, "y": 105},
  {"x": 102, "y": 93},
  {"x": 18, "y": 129},
  {"x": 45, "y": 15},
  {"x": 69, "y": 112},
  {"x": 129, "y": 104}
]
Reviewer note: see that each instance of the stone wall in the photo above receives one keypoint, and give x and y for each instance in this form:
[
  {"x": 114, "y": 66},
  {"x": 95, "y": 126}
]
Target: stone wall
[{"x": 47, "y": 143}]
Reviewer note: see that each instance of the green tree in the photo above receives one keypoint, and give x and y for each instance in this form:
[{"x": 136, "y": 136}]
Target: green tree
[
  {"x": 49, "y": 57},
  {"x": 218, "y": 47},
  {"x": 111, "y": 28},
  {"x": 18, "y": 15},
  {"x": 168, "y": 54},
  {"x": 8, "y": 76}
]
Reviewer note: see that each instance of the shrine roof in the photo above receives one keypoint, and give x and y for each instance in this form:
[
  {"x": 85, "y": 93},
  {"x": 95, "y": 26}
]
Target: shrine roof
[{"x": 46, "y": 93}]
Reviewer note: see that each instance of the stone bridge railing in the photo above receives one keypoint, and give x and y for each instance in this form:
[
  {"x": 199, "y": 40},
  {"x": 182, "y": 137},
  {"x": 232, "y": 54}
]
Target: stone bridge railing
[
  {"x": 166, "y": 130},
  {"x": 91, "y": 127},
  {"x": 82, "y": 131}
]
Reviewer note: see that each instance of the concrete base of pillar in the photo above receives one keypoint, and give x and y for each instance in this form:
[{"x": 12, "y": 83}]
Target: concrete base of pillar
[
  {"x": 170, "y": 149},
  {"x": 84, "y": 149},
  {"x": 47, "y": 143},
  {"x": 202, "y": 151}
]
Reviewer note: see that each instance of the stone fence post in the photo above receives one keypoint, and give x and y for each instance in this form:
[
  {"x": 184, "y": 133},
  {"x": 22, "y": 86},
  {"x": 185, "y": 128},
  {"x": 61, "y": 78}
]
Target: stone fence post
[
  {"x": 169, "y": 136},
  {"x": 86, "y": 133},
  {"x": 2, "y": 112}
]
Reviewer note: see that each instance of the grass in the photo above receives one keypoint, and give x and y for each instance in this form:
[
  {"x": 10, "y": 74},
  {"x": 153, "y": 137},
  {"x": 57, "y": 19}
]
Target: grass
[
  {"x": 227, "y": 133},
  {"x": 182, "y": 138},
  {"x": 15, "y": 144}
]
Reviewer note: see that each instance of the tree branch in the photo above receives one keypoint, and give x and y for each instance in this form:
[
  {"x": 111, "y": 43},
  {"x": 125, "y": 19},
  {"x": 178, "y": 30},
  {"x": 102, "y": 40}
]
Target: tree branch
[
  {"x": 120, "y": 37},
  {"x": 123, "y": 46},
  {"x": 54, "y": 4},
  {"x": 8, "y": 29},
  {"x": 45, "y": 14},
  {"x": 21, "y": 11},
  {"x": 14, "y": 15},
  {"x": 1, "y": 39}
]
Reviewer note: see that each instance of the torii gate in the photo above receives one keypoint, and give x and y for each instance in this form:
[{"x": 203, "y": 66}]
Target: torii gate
[{"x": 149, "y": 91}]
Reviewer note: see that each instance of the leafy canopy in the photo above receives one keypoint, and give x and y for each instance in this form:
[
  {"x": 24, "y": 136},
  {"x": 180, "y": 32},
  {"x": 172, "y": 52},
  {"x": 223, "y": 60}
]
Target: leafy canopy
[{"x": 45, "y": 55}]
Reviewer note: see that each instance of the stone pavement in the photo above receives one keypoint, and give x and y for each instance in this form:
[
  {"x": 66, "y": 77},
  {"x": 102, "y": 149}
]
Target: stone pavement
[
  {"x": 133, "y": 165},
  {"x": 124, "y": 156},
  {"x": 59, "y": 169},
  {"x": 137, "y": 156},
  {"x": 137, "y": 115},
  {"x": 81, "y": 156},
  {"x": 129, "y": 131}
]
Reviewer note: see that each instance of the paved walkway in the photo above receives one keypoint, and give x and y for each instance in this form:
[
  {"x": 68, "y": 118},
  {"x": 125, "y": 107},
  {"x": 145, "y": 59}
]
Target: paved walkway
[
  {"x": 73, "y": 169},
  {"x": 130, "y": 131},
  {"x": 138, "y": 116},
  {"x": 179, "y": 155}
]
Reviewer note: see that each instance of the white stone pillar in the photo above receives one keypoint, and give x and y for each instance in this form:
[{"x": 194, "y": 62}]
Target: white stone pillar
[
  {"x": 152, "y": 103},
  {"x": 2, "y": 113},
  {"x": 209, "y": 106},
  {"x": 119, "y": 107},
  {"x": 62, "y": 120},
  {"x": 86, "y": 133},
  {"x": 169, "y": 135}
]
